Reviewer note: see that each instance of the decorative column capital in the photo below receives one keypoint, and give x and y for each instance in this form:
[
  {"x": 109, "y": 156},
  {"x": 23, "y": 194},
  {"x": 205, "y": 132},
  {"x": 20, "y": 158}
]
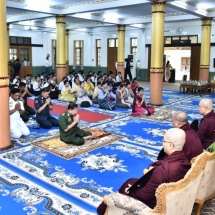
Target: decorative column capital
[
  {"x": 156, "y": 70},
  {"x": 61, "y": 65},
  {"x": 61, "y": 19},
  {"x": 158, "y": 7},
  {"x": 204, "y": 66},
  {"x": 207, "y": 21},
  {"x": 121, "y": 27},
  {"x": 4, "y": 82}
]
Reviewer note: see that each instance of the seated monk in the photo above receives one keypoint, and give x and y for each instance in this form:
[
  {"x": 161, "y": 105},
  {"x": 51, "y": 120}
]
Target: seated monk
[
  {"x": 206, "y": 131},
  {"x": 193, "y": 146},
  {"x": 171, "y": 169},
  {"x": 69, "y": 131}
]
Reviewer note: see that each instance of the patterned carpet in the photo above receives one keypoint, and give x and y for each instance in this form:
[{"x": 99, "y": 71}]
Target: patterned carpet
[{"x": 36, "y": 181}]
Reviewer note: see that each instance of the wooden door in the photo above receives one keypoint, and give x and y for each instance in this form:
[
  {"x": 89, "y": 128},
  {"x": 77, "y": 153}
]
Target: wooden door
[
  {"x": 195, "y": 62},
  {"x": 112, "y": 59},
  {"x": 24, "y": 54}
]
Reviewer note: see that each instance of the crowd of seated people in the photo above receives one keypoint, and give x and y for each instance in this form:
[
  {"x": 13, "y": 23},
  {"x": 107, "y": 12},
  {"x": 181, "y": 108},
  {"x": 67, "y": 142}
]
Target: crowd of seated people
[{"x": 103, "y": 89}]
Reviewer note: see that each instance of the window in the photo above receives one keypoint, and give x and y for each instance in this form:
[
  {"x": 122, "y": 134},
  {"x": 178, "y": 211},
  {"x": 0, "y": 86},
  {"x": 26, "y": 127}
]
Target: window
[
  {"x": 98, "y": 52},
  {"x": 112, "y": 43},
  {"x": 20, "y": 40},
  {"x": 13, "y": 54},
  {"x": 181, "y": 40},
  {"x": 78, "y": 52},
  {"x": 25, "y": 56},
  {"x": 133, "y": 46}
]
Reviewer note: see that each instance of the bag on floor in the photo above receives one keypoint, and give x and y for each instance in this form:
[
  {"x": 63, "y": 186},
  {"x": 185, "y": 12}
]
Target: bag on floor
[{"x": 85, "y": 104}]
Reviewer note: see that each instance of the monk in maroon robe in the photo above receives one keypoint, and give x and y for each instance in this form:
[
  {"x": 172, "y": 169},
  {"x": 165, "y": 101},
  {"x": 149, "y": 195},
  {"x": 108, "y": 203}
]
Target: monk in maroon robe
[
  {"x": 206, "y": 131},
  {"x": 193, "y": 146},
  {"x": 170, "y": 169}
]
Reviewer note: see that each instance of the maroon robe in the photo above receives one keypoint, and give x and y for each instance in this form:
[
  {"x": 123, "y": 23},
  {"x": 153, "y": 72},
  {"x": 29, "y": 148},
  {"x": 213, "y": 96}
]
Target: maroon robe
[
  {"x": 206, "y": 129},
  {"x": 193, "y": 146},
  {"x": 171, "y": 169}
]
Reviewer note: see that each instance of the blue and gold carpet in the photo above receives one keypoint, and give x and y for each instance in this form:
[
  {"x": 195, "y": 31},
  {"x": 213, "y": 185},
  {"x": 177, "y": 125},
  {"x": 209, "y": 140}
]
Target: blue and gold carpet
[{"x": 35, "y": 181}]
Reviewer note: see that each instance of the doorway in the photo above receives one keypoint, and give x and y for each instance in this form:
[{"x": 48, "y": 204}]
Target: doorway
[{"x": 179, "y": 58}]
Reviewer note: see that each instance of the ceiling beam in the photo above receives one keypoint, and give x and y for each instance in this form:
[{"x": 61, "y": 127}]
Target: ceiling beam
[
  {"x": 187, "y": 8},
  {"x": 26, "y": 16},
  {"x": 111, "y": 4},
  {"x": 37, "y": 7}
]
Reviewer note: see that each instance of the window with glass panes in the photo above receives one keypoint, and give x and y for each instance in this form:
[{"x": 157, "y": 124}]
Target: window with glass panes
[
  {"x": 133, "y": 45},
  {"x": 78, "y": 52},
  {"x": 112, "y": 42},
  {"x": 98, "y": 52},
  {"x": 13, "y": 54}
]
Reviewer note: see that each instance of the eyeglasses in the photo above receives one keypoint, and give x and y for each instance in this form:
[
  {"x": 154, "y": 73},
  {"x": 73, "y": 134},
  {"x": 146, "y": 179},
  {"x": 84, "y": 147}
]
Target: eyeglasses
[{"x": 168, "y": 142}]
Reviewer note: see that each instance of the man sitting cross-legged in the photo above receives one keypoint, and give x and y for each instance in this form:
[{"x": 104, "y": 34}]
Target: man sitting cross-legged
[
  {"x": 170, "y": 169},
  {"x": 69, "y": 130}
]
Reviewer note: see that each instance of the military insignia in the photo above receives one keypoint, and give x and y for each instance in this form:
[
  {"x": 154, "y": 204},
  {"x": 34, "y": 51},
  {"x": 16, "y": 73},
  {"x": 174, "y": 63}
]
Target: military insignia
[
  {"x": 69, "y": 119},
  {"x": 68, "y": 114}
]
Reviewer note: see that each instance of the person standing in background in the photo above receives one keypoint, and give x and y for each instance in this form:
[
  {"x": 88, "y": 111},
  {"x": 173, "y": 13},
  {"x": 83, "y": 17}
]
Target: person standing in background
[
  {"x": 185, "y": 71},
  {"x": 48, "y": 66},
  {"x": 167, "y": 71},
  {"x": 16, "y": 68}
]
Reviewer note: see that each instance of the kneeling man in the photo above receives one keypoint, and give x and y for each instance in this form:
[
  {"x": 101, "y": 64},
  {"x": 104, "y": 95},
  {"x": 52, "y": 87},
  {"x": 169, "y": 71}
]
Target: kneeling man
[
  {"x": 17, "y": 126},
  {"x": 69, "y": 130},
  {"x": 172, "y": 168}
]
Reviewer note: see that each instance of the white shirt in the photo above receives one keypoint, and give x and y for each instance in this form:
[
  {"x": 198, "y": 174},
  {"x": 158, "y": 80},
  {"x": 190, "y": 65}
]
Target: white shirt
[
  {"x": 15, "y": 81},
  {"x": 80, "y": 77},
  {"x": 47, "y": 63},
  {"x": 16, "y": 115},
  {"x": 36, "y": 86},
  {"x": 61, "y": 85},
  {"x": 118, "y": 79}
]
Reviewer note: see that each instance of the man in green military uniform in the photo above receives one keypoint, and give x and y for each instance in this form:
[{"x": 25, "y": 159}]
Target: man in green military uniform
[{"x": 69, "y": 130}]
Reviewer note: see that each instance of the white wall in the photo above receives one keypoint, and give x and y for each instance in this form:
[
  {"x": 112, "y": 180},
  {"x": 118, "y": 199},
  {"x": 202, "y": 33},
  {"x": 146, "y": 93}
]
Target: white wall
[{"x": 104, "y": 33}]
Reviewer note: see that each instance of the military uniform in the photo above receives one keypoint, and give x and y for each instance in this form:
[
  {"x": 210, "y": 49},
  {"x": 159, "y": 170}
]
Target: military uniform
[
  {"x": 28, "y": 110},
  {"x": 44, "y": 118},
  {"x": 75, "y": 135},
  {"x": 17, "y": 126}
]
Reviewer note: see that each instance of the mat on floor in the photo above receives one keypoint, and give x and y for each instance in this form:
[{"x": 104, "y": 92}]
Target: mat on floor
[
  {"x": 85, "y": 115},
  {"x": 56, "y": 146}
]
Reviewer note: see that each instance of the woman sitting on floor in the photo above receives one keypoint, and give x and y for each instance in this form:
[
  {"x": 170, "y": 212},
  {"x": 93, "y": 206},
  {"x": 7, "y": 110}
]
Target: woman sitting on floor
[
  {"x": 134, "y": 86},
  {"x": 83, "y": 96},
  {"x": 121, "y": 97},
  {"x": 139, "y": 105},
  {"x": 129, "y": 93},
  {"x": 103, "y": 100},
  {"x": 66, "y": 94},
  {"x": 89, "y": 86}
]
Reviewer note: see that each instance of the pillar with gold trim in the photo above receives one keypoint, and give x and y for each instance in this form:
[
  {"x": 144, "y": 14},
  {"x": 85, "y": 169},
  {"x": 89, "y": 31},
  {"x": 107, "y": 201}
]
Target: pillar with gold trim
[
  {"x": 8, "y": 42},
  {"x": 205, "y": 49},
  {"x": 60, "y": 46},
  {"x": 121, "y": 50},
  {"x": 157, "y": 53},
  {"x": 5, "y": 142},
  {"x": 67, "y": 51}
]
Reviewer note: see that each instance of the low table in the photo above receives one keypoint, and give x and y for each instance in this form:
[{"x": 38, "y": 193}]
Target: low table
[{"x": 194, "y": 88}]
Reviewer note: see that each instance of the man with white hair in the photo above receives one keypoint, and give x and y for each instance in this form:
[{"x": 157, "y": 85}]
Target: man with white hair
[
  {"x": 170, "y": 169},
  {"x": 206, "y": 129}
]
